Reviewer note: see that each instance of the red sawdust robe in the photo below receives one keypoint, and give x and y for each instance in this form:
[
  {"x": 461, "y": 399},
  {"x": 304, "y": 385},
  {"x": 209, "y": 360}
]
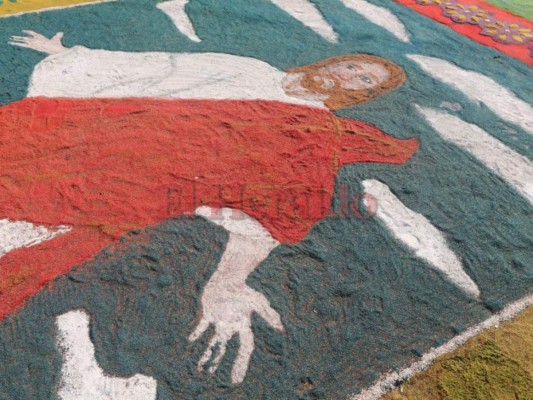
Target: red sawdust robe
[{"x": 106, "y": 166}]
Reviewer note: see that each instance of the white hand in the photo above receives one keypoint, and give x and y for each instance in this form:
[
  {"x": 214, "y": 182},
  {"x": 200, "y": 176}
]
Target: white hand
[
  {"x": 36, "y": 41},
  {"x": 230, "y": 311},
  {"x": 227, "y": 302}
]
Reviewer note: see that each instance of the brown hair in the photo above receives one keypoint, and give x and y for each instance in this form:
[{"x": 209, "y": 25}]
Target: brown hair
[{"x": 342, "y": 98}]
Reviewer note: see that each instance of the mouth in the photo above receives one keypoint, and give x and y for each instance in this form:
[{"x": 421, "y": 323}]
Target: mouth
[{"x": 327, "y": 82}]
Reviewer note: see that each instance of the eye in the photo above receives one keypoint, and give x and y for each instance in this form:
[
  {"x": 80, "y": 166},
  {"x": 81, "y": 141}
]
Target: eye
[
  {"x": 367, "y": 79},
  {"x": 350, "y": 66}
]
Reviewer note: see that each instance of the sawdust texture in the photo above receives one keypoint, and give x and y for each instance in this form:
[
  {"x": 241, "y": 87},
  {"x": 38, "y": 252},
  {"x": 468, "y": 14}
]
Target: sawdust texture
[{"x": 497, "y": 365}]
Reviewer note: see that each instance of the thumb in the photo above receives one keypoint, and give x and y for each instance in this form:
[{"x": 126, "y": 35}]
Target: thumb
[
  {"x": 200, "y": 329},
  {"x": 58, "y": 36},
  {"x": 270, "y": 315}
]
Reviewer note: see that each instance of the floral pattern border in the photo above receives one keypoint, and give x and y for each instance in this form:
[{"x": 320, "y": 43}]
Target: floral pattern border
[{"x": 500, "y": 31}]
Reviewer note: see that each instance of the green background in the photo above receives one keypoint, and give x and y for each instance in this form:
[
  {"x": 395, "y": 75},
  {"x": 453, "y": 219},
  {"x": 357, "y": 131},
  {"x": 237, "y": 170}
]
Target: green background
[{"x": 356, "y": 303}]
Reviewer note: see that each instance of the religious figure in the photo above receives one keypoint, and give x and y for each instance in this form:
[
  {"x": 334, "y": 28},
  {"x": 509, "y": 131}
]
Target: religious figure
[
  {"x": 110, "y": 141},
  {"x": 79, "y": 72}
]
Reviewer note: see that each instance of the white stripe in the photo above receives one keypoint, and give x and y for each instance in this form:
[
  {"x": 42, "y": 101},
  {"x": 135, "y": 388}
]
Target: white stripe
[
  {"x": 389, "y": 382},
  {"x": 17, "y": 234},
  {"x": 480, "y": 88},
  {"x": 419, "y": 235},
  {"x": 379, "y": 16},
  {"x": 308, "y": 14},
  {"x": 56, "y": 8},
  {"x": 175, "y": 9},
  {"x": 81, "y": 376},
  {"x": 514, "y": 168}
]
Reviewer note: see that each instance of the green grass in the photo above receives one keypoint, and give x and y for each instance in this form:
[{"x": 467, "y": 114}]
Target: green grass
[{"x": 518, "y": 7}]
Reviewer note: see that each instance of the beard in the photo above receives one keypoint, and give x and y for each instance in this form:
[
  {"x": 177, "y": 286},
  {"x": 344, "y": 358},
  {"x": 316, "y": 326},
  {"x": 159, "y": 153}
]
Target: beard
[
  {"x": 329, "y": 87},
  {"x": 321, "y": 82}
]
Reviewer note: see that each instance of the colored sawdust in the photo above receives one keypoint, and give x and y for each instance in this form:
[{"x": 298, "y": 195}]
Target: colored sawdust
[
  {"x": 518, "y": 7},
  {"x": 496, "y": 365},
  {"x": 21, "y": 6}
]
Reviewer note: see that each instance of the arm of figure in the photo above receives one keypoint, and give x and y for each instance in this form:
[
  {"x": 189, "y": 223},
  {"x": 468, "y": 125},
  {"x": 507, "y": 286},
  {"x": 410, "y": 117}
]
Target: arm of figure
[
  {"x": 227, "y": 302},
  {"x": 362, "y": 142},
  {"x": 25, "y": 270},
  {"x": 38, "y": 42}
]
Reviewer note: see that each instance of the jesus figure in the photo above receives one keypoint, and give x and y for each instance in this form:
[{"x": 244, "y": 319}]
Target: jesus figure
[
  {"x": 79, "y": 72},
  {"x": 106, "y": 134}
]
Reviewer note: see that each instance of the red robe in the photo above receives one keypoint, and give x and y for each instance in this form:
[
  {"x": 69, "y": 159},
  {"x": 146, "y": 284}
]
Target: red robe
[{"x": 104, "y": 167}]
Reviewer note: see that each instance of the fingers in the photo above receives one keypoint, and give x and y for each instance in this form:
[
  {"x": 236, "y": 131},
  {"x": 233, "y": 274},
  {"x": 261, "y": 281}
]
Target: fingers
[
  {"x": 208, "y": 353},
  {"x": 221, "y": 351},
  {"x": 21, "y": 41},
  {"x": 200, "y": 329},
  {"x": 240, "y": 365},
  {"x": 19, "y": 38},
  {"x": 26, "y": 41},
  {"x": 246, "y": 348},
  {"x": 21, "y": 44},
  {"x": 33, "y": 34},
  {"x": 221, "y": 341}
]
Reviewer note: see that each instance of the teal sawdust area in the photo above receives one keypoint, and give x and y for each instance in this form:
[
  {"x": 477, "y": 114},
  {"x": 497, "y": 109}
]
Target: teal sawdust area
[
  {"x": 355, "y": 301},
  {"x": 351, "y": 310}
]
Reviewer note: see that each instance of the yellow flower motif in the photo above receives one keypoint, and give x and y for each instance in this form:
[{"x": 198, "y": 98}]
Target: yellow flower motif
[
  {"x": 507, "y": 32},
  {"x": 471, "y": 14}
]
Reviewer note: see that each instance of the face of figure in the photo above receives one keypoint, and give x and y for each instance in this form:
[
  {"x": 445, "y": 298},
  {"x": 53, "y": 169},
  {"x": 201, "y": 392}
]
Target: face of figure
[
  {"x": 352, "y": 75},
  {"x": 344, "y": 81}
]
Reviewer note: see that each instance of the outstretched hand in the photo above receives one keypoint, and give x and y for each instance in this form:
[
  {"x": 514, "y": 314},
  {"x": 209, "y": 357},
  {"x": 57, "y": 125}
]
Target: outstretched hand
[
  {"x": 227, "y": 302},
  {"x": 230, "y": 311},
  {"x": 36, "y": 41}
]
